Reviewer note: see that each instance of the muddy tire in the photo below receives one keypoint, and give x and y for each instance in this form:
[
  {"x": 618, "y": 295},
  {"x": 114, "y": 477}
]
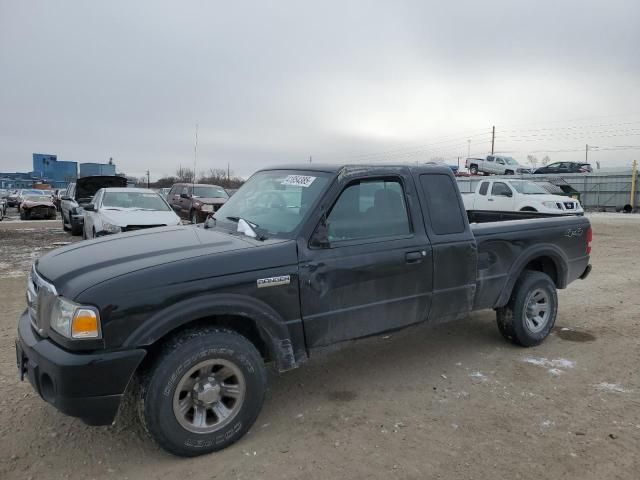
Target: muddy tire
[
  {"x": 203, "y": 392},
  {"x": 473, "y": 169},
  {"x": 64, "y": 225},
  {"x": 531, "y": 312}
]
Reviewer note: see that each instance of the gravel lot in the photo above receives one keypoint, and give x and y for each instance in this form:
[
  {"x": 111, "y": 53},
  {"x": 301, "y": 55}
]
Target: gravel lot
[{"x": 454, "y": 401}]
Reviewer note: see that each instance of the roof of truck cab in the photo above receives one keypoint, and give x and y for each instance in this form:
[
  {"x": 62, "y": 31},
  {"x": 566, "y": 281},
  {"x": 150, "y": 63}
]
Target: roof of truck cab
[{"x": 349, "y": 168}]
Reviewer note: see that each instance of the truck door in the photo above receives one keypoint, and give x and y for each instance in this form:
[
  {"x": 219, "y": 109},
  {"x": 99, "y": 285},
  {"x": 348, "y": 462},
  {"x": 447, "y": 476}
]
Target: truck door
[
  {"x": 481, "y": 200},
  {"x": 501, "y": 197},
  {"x": 374, "y": 272},
  {"x": 455, "y": 254},
  {"x": 490, "y": 164}
]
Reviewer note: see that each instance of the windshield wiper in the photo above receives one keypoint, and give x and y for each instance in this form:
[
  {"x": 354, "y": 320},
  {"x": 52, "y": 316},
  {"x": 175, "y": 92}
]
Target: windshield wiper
[{"x": 247, "y": 227}]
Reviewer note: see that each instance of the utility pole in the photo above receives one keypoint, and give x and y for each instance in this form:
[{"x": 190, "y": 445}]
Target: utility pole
[
  {"x": 148, "y": 179},
  {"x": 586, "y": 153},
  {"x": 310, "y": 159},
  {"x": 228, "y": 172},
  {"x": 195, "y": 160},
  {"x": 493, "y": 138},
  {"x": 469, "y": 148}
]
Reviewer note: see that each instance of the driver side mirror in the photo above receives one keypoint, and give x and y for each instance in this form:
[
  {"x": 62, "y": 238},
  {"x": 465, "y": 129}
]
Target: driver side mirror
[
  {"x": 90, "y": 207},
  {"x": 507, "y": 193},
  {"x": 320, "y": 237},
  {"x": 184, "y": 195}
]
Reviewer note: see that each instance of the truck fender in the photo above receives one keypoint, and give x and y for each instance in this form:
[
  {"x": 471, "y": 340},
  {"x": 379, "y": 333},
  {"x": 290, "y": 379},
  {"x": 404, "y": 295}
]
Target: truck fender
[
  {"x": 273, "y": 329},
  {"x": 552, "y": 252}
]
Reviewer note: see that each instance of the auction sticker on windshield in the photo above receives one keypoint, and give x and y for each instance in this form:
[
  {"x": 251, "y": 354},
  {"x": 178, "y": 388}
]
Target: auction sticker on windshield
[{"x": 298, "y": 180}]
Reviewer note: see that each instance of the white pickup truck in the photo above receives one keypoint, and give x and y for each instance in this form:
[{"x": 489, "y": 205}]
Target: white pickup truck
[{"x": 508, "y": 195}]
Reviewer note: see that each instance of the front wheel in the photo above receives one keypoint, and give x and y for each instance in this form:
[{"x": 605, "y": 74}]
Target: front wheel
[
  {"x": 531, "y": 312},
  {"x": 194, "y": 217},
  {"x": 203, "y": 393}
]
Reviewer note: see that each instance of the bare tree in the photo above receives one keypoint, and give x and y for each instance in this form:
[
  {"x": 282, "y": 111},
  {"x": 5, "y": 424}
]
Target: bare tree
[
  {"x": 533, "y": 160},
  {"x": 185, "y": 175},
  {"x": 545, "y": 160}
]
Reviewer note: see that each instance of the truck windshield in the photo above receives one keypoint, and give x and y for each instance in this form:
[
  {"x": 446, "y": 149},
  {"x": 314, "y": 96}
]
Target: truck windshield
[
  {"x": 134, "y": 200},
  {"x": 204, "y": 191},
  {"x": 528, "y": 188},
  {"x": 275, "y": 201}
]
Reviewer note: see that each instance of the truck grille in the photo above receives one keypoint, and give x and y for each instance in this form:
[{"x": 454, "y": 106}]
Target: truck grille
[
  {"x": 132, "y": 228},
  {"x": 40, "y": 297}
]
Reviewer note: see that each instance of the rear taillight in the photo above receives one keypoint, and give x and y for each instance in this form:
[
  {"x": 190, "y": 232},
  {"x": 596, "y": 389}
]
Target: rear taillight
[{"x": 589, "y": 238}]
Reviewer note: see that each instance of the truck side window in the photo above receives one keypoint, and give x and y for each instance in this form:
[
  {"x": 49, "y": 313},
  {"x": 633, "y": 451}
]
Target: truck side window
[
  {"x": 442, "y": 204},
  {"x": 500, "y": 189},
  {"x": 369, "y": 209},
  {"x": 483, "y": 188},
  {"x": 490, "y": 159}
]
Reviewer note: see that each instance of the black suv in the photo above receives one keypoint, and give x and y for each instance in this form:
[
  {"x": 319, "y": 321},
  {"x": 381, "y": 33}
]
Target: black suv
[
  {"x": 565, "y": 167},
  {"x": 195, "y": 202}
]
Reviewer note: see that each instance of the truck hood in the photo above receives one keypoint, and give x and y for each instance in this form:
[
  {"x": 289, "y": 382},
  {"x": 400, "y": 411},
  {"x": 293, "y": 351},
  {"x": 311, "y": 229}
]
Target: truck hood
[
  {"x": 210, "y": 201},
  {"x": 548, "y": 198},
  {"x": 77, "y": 267},
  {"x": 86, "y": 187},
  {"x": 124, "y": 218}
]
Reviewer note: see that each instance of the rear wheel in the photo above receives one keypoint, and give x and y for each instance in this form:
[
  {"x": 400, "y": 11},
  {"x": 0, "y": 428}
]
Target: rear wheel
[
  {"x": 509, "y": 172},
  {"x": 531, "y": 312},
  {"x": 203, "y": 393},
  {"x": 473, "y": 169},
  {"x": 194, "y": 217},
  {"x": 64, "y": 224}
]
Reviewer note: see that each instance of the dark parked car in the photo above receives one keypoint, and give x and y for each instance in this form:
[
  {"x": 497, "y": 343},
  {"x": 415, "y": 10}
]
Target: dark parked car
[
  {"x": 196, "y": 202},
  {"x": 184, "y": 318},
  {"x": 565, "y": 167},
  {"x": 79, "y": 194}
]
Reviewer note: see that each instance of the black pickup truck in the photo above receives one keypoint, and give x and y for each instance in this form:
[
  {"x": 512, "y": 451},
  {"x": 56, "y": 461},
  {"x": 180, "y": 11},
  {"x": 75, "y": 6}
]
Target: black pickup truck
[{"x": 185, "y": 318}]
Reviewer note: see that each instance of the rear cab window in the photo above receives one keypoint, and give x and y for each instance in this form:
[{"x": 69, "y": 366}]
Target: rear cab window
[{"x": 443, "y": 206}]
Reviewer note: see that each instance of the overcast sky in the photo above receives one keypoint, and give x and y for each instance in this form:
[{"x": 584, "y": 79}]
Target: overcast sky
[{"x": 345, "y": 81}]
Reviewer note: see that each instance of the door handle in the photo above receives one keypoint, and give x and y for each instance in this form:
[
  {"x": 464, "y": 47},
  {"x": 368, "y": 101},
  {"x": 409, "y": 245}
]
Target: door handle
[
  {"x": 312, "y": 267},
  {"x": 415, "y": 257},
  {"x": 490, "y": 199}
]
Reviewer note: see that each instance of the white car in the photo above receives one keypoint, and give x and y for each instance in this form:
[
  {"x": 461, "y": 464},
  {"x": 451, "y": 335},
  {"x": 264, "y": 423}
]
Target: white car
[
  {"x": 507, "y": 195},
  {"x": 115, "y": 210}
]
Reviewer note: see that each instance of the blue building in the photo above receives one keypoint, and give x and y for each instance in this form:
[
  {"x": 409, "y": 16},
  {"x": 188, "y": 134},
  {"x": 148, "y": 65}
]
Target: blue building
[
  {"x": 89, "y": 169},
  {"x": 56, "y": 173}
]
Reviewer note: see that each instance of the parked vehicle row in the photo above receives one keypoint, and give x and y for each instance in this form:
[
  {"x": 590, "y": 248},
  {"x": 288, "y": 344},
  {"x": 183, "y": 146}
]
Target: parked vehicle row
[{"x": 503, "y": 165}]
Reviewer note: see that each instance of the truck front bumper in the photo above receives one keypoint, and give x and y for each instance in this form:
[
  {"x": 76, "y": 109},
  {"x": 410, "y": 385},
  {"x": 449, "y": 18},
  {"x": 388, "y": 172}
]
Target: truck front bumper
[{"x": 85, "y": 385}]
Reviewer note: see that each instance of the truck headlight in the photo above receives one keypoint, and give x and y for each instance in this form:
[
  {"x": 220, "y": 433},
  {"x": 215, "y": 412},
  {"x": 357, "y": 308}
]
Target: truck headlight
[
  {"x": 74, "y": 321},
  {"x": 552, "y": 205},
  {"x": 111, "y": 228}
]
